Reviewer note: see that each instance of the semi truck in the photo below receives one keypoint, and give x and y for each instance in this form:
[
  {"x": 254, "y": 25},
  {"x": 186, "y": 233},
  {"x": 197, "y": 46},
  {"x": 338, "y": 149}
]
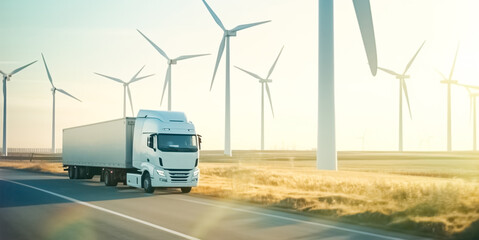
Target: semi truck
[{"x": 155, "y": 149}]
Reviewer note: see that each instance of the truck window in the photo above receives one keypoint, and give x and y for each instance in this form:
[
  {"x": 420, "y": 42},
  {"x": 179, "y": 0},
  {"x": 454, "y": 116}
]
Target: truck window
[{"x": 177, "y": 143}]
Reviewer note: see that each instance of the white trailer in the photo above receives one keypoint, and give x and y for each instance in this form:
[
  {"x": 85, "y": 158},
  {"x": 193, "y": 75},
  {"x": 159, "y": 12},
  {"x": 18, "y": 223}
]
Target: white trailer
[{"x": 155, "y": 149}]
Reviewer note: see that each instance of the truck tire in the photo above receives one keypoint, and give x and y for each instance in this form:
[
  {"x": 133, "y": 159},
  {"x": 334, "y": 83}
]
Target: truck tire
[
  {"x": 186, "y": 189},
  {"x": 109, "y": 181},
  {"x": 71, "y": 172},
  {"x": 76, "y": 172},
  {"x": 81, "y": 172},
  {"x": 88, "y": 173},
  {"x": 147, "y": 183}
]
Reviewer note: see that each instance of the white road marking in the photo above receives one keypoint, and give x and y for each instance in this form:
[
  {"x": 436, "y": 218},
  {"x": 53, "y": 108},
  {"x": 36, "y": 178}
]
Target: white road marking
[
  {"x": 106, "y": 210},
  {"x": 294, "y": 220}
]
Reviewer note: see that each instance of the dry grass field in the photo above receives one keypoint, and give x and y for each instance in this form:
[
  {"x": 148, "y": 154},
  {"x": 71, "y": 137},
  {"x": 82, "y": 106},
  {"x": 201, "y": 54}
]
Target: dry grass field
[{"x": 426, "y": 193}]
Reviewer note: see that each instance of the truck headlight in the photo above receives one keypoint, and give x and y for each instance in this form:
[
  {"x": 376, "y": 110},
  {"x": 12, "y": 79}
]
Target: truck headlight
[
  {"x": 196, "y": 172},
  {"x": 160, "y": 172}
]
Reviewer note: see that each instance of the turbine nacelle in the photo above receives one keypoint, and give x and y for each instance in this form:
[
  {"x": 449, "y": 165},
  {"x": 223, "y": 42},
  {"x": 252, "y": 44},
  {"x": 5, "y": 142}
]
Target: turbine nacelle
[
  {"x": 265, "y": 80},
  {"x": 171, "y": 61},
  {"x": 449, "y": 81},
  {"x": 230, "y": 33},
  {"x": 402, "y": 77},
  {"x": 6, "y": 76}
]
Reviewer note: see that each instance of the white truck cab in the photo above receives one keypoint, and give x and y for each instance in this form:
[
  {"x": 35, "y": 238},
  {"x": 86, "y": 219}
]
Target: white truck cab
[{"x": 165, "y": 151}]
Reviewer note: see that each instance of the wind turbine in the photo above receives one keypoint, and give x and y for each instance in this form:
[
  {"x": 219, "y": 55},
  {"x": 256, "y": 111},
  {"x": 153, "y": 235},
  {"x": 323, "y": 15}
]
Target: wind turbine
[
  {"x": 225, "y": 42},
  {"x": 7, "y": 77},
  {"x": 472, "y": 96},
  {"x": 264, "y": 82},
  {"x": 326, "y": 155},
  {"x": 168, "y": 72},
  {"x": 126, "y": 87},
  {"x": 402, "y": 87},
  {"x": 449, "y": 81},
  {"x": 54, "y": 89}
]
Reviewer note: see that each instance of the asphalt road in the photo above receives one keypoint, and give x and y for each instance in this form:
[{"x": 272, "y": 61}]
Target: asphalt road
[{"x": 44, "y": 206}]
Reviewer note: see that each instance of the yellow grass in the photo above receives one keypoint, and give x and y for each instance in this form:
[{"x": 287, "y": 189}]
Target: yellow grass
[
  {"x": 442, "y": 206},
  {"x": 39, "y": 166},
  {"x": 437, "y": 197}
]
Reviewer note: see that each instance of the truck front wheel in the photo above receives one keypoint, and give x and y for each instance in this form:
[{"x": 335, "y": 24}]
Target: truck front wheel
[
  {"x": 109, "y": 181},
  {"x": 147, "y": 183},
  {"x": 186, "y": 189}
]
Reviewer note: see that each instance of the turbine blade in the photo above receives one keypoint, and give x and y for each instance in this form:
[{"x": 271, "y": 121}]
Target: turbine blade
[
  {"x": 112, "y": 78},
  {"x": 213, "y": 14},
  {"x": 131, "y": 102},
  {"x": 136, "y": 74},
  {"x": 154, "y": 45},
  {"x": 269, "y": 96},
  {"x": 190, "y": 56},
  {"x": 48, "y": 72},
  {"x": 244, "y": 26},
  {"x": 454, "y": 63},
  {"x": 407, "y": 97},
  {"x": 2, "y": 73},
  {"x": 140, "y": 78},
  {"x": 167, "y": 80},
  {"x": 468, "y": 86},
  {"x": 365, "y": 20},
  {"x": 68, "y": 94},
  {"x": 274, "y": 64},
  {"x": 442, "y": 75},
  {"x": 250, "y": 73},
  {"x": 389, "y": 71},
  {"x": 412, "y": 59},
  {"x": 21, "y": 68},
  {"x": 218, "y": 59}
]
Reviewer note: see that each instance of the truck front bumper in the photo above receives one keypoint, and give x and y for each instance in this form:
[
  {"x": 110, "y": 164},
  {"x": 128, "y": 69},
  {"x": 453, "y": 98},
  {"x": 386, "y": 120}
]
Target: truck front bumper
[{"x": 175, "y": 178}]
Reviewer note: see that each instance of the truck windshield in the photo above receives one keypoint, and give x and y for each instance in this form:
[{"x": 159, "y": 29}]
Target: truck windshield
[{"x": 177, "y": 143}]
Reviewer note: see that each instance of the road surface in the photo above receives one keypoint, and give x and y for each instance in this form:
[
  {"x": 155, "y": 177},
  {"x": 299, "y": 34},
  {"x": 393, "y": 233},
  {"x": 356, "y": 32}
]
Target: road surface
[{"x": 44, "y": 206}]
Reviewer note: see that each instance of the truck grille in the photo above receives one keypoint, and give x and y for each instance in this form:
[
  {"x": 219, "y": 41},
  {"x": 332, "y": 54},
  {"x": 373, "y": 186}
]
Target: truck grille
[{"x": 179, "y": 175}]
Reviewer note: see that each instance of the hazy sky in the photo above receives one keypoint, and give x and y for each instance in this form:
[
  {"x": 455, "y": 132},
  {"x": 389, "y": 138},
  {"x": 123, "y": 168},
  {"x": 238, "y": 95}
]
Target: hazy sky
[{"x": 82, "y": 37}]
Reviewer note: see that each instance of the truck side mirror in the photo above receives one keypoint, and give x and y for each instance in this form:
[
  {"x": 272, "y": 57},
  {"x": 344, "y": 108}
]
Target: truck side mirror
[
  {"x": 154, "y": 141},
  {"x": 199, "y": 141},
  {"x": 150, "y": 142}
]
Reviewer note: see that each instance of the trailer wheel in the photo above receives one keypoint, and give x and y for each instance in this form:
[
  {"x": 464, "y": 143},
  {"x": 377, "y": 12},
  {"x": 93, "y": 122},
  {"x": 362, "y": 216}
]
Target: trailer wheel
[
  {"x": 71, "y": 172},
  {"x": 186, "y": 189},
  {"x": 147, "y": 183},
  {"x": 88, "y": 173},
  {"x": 76, "y": 172},
  {"x": 81, "y": 172},
  {"x": 109, "y": 181}
]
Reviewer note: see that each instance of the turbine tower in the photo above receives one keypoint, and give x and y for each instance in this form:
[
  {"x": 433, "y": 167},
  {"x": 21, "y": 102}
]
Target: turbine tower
[
  {"x": 472, "y": 96},
  {"x": 449, "y": 81},
  {"x": 54, "y": 89},
  {"x": 402, "y": 88},
  {"x": 126, "y": 87},
  {"x": 225, "y": 42},
  {"x": 168, "y": 72},
  {"x": 264, "y": 82},
  {"x": 7, "y": 77},
  {"x": 326, "y": 156}
]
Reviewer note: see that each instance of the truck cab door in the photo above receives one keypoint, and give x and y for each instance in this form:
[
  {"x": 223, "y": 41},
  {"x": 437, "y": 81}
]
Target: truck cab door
[{"x": 152, "y": 150}]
